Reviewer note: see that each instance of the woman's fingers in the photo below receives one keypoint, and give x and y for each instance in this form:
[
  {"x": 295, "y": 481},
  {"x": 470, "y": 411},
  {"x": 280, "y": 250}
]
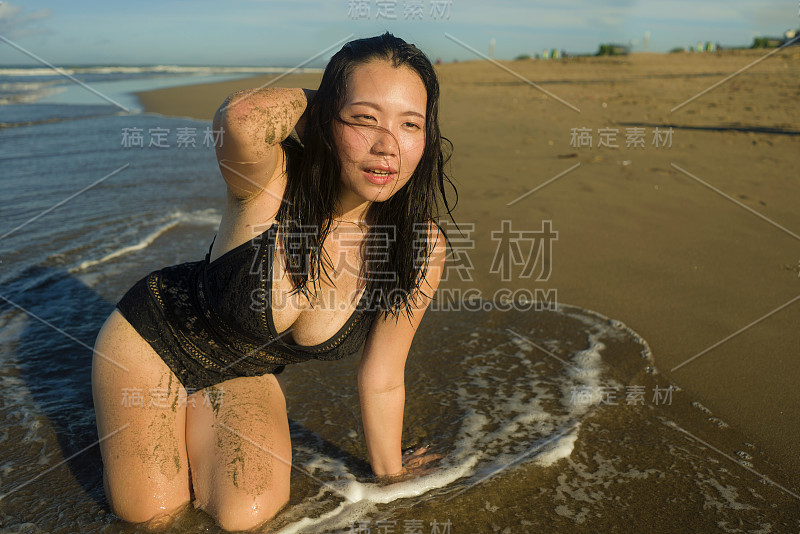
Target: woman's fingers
[
  {"x": 416, "y": 452},
  {"x": 407, "y": 474},
  {"x": 421, "y": 461},
  {"x": 417, "y": 458},
  {"x": 415, "y": 463}
]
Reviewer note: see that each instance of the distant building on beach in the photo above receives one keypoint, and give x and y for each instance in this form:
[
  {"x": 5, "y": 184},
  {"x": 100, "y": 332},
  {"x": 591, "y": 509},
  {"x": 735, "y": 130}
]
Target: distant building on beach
[
  {"x": 790, "y": 38},
  {"x": 555, "y": 53}
]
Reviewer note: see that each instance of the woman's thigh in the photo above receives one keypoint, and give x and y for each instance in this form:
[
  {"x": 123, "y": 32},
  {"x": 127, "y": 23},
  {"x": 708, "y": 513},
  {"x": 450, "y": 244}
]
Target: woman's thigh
[
  {"x": 141, "y": 420},
  {"x": 237, "y": 437}
]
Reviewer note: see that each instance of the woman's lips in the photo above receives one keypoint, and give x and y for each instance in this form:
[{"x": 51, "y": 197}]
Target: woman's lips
[{"x": 380, "y": 179}]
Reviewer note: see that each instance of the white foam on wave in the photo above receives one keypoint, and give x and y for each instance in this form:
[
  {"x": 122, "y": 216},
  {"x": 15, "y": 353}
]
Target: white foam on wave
[
  {"x": 527, "y": 417},
  {"x": 208, "y": 217},
  {"x": 24, "y": 86},
  {"x": 360, "y": 498},
  {"x": 144, "y": 243},
  {"x": 26, "y": 93},
  {"x": 19, "y": 410},
  {"x": 611, "y": 328}
]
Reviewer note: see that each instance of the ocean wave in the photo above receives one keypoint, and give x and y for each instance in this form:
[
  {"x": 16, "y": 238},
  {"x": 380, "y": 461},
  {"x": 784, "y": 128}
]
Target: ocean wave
[
  {"x": 208, "y": 217},
  {"x": 26, "y": 93},
  {"x": 154, "y": 69},
  {"x": 24, "y": 86}
]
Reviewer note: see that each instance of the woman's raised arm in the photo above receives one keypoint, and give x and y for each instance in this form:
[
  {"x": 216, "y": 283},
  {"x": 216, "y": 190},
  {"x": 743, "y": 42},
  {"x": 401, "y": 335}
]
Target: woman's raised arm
[{"x": 253, "y": 123}]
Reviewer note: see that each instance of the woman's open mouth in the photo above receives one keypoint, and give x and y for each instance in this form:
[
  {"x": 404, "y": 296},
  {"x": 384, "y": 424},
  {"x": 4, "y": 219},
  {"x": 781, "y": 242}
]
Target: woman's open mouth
[{"x": 380, "y": 175}]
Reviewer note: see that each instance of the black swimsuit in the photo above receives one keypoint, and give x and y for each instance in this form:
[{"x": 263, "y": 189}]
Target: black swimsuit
[{"x": 212, "y": 321}]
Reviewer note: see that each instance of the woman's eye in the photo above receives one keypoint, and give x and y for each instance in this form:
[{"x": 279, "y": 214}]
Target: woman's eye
[
  {"x": 413, "y": 125},
  {"x": 366, "y": 117}
]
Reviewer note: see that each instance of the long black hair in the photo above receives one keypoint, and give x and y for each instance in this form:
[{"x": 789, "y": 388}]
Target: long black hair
[{"x": 397, "y": 246}]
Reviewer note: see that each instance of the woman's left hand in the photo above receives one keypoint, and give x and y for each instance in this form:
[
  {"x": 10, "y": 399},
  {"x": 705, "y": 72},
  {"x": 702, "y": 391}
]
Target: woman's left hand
[{"x": 416, "y": 463}]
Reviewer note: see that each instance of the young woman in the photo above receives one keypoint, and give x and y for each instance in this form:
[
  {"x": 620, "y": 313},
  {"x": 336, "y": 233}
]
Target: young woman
[{"x": 327, "y": 242}]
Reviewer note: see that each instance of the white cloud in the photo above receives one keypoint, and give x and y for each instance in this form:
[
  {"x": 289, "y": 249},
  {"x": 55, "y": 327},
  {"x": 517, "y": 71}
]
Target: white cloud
[{"x": 15, "y": 24}]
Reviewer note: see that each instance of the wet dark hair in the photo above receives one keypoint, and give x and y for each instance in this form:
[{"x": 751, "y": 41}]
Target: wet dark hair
[{"x": 313, "y": 186}]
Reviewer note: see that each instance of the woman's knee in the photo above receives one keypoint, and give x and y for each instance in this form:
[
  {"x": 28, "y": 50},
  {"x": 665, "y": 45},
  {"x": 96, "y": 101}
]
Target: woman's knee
[
  {"x": 144, "y": 506},
  {"x": 236, "y": 513}
]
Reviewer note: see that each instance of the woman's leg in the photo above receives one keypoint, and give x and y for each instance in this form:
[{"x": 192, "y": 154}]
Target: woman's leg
[
  {"x": 237, "y": 437},
  {"x": 141, "y": 421}
]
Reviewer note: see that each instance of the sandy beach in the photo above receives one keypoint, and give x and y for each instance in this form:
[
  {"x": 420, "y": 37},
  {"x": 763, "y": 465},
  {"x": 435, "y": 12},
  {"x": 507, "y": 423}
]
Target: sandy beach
[{"x": 690, "y": 240}]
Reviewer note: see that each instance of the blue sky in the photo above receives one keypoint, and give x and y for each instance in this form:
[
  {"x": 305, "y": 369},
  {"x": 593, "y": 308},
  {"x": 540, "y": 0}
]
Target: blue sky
[{"x": 284, "y": 33}]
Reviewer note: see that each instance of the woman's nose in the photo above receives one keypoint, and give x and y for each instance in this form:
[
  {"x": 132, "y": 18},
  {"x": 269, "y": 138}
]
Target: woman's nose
[{"x": 384, "y": 143}]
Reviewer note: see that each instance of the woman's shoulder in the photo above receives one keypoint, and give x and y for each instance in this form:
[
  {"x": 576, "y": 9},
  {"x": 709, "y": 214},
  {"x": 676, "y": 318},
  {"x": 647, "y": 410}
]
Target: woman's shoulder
[
  {"x": 434, "y": 232},
  {"x": 434, "y": 236},
  {"x": 437, "y": 242}
]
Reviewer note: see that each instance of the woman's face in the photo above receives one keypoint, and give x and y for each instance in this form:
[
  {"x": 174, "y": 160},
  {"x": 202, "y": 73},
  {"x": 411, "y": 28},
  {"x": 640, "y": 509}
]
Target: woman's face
[{"x": 377, "y": 162}]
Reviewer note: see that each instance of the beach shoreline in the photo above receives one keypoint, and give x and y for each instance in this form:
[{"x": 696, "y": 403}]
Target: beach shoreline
[{"x": 693, "y": 245}]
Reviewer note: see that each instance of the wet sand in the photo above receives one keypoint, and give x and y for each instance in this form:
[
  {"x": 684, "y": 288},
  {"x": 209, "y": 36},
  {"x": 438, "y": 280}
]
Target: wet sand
[{"x": 694, "y": 246}]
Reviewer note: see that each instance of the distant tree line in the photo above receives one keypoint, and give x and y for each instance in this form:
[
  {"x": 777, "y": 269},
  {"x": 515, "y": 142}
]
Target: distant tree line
[{"x": 612, "y": 50}]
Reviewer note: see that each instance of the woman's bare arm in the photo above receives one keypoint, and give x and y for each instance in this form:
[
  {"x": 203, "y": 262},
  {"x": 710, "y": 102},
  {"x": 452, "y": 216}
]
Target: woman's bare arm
[
  {"x": 381, "y": 385},
  {"x": 254, "y": 122}
]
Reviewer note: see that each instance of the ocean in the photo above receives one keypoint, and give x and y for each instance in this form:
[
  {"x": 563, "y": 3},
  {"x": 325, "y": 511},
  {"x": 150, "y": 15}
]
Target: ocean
[{"x": 550, "y": 420}]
